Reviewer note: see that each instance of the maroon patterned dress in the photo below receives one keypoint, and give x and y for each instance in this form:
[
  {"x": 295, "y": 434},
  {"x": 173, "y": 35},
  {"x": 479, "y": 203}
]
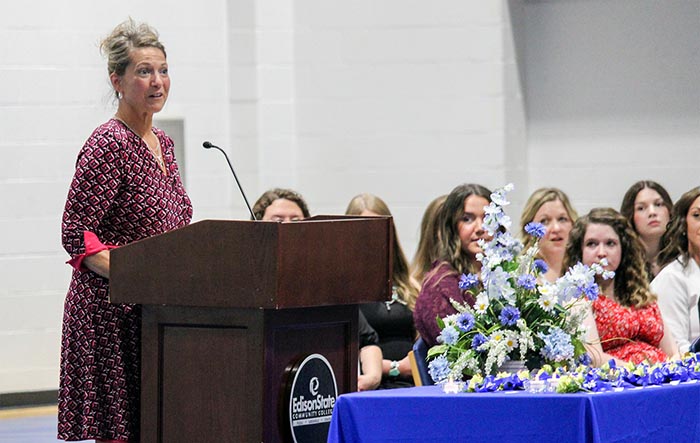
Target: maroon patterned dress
[{"x": 120, "y": 194}]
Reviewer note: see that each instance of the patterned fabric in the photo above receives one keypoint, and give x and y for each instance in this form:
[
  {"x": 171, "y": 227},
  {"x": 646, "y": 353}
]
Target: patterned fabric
[
  {"x": 119, "y": 193},
  {"x": 440, "y": 285},
  {"x": 627, "y": 333}
]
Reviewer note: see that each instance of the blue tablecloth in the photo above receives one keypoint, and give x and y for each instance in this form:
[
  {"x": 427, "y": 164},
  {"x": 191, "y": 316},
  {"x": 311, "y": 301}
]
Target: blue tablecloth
[{"x": 425, "y": 414}]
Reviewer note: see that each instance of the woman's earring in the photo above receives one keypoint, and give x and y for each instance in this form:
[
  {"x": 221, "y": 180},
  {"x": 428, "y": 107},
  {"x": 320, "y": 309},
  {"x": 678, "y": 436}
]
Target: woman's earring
[{"x": 119, "y": 95}]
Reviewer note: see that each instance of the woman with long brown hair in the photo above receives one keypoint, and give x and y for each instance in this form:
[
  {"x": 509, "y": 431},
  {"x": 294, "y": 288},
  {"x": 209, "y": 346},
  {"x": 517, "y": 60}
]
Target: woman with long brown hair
[
  {"x": 647, "y": 207},
  {"x": 678, "y": 282},
  {"x": 460, "y": 229}
]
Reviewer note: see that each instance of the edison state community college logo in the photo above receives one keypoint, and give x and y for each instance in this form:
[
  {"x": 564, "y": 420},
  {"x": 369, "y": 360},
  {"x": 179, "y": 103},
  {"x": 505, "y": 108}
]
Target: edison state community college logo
[{"x": 313, "y": 395}]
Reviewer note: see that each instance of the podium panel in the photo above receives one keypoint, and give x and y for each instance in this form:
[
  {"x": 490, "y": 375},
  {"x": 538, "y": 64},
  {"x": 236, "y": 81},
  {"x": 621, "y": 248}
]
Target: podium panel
[
  {"x": 230, "y": 307},
  {"x": 221, "y": 372}
]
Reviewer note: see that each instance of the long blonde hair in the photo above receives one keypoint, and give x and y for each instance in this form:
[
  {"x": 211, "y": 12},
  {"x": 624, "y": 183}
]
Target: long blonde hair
[
  {"x": 427, "y": 253},
  {"x": 406, "y": 286},
  {"x": 535, "y": 202}
]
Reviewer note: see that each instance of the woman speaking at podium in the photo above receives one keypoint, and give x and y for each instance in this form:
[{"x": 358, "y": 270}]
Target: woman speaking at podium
[{"x": 126, "y": 187}]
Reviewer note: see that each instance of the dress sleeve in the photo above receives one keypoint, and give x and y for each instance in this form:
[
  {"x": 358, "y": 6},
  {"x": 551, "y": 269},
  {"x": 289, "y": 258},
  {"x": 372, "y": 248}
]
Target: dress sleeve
[
  {"x": 93, "y": 245},
  {"x": 95, "y": 184},
  {"x": 672, "y": 291},
  {"x": 435, "y": 301}
]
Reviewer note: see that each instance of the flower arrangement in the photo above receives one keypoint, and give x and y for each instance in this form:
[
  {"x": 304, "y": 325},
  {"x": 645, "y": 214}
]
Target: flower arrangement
[
  {"x": 609, "y": 377},
  {"x": 516, "y": 315}
]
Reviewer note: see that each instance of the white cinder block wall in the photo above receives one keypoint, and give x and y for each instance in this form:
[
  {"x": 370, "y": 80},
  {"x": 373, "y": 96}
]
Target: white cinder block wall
[{"x": 400, "y": 98}]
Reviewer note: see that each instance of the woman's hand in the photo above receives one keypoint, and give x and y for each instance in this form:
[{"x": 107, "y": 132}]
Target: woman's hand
[{"x": 98, "y": 263}]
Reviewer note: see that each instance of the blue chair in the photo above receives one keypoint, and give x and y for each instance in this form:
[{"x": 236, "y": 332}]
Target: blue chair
[
  {"x": 695, "y": 346},
  {"x": 419, "y": 367}
]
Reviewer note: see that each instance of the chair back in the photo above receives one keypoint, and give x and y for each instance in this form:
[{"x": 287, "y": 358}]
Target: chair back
[
  {"x": 695, "y": 345},
  {"x": 419, "y": 365}
]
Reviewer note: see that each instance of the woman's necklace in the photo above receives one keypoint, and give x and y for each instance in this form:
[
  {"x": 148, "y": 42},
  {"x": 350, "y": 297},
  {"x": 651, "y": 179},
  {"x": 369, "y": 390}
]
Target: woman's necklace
[
  {"x": 156, "y": 152},
  {"x": 394, "y": 299}
]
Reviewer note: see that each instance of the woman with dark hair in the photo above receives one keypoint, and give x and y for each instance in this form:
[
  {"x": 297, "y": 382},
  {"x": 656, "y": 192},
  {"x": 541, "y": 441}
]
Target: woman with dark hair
[
  {"x": 678, "y": 282},
  {"x": 460, "y": 229},
  {"x": 624, "y": 322},
  {"x": 392, "y": 319},
  {"x": 647, "y": 207},
  {"x": 281, "y": 204},
  {"x": 551, "y": 208},
  {"x": 426, "y": 252}
]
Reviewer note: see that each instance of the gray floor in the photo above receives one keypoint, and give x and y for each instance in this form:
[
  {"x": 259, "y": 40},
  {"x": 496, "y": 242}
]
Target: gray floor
[{"x": 39, "y": 429}]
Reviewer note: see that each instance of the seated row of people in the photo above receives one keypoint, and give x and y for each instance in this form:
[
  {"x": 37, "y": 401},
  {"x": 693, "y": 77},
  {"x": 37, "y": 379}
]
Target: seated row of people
[{"x": 630, "y": 321}]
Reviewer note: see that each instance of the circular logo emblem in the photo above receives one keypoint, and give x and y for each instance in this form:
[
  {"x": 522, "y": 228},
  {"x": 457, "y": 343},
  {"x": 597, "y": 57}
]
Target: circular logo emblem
[{"x": 312, "y": 397}]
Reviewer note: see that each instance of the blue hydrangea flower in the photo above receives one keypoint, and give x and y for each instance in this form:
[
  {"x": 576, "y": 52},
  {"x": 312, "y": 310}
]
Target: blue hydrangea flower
[
  {"x": 449, "y": 335},
  {"x": 465, "y": 322},
  {"x": 541, "y": 266},
  {"x": 535, "y": 229},
  {"x": 509, "y": 315},
  {"x": 591, "y": 291},
  {"x": 478, "y": 340},
  {"x": 468, "y": 281},
  {"x": 527, "y": 281},
  {"x": 585, "y": 359},
  {"x": 557, "y": 345},
  {"x": 439, "y": 368}
]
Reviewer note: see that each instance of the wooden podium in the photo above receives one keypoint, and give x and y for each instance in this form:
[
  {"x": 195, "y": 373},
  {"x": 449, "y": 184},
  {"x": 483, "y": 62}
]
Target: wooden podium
[{"x": 230, "y": 306}]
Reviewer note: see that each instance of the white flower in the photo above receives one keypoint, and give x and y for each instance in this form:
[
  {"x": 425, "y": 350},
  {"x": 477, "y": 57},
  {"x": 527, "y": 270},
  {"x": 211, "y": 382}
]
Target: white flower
[
  {"x": 525, "y": 338},
  {"x": 497, "y": 336},
  {"x": 497, "y": 286},
  {"x": 499, "y": 195},
  {"x": 482, "y": 303},
  {"x": 547, "y": 300},
  {"x": 510, "y": 340}
]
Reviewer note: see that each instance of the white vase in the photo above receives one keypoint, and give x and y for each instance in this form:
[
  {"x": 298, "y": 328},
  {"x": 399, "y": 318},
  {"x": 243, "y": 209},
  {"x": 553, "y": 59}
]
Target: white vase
[{"x": 512, "y": 366}]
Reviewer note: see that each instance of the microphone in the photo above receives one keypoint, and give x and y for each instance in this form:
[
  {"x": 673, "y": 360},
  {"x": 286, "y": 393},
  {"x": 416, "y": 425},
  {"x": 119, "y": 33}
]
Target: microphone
[{"x": 208, "y": 145}]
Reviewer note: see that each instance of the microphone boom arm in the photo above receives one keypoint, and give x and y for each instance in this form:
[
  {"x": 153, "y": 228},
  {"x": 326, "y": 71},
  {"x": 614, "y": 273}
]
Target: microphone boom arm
[{"x": 208, "y": 145}]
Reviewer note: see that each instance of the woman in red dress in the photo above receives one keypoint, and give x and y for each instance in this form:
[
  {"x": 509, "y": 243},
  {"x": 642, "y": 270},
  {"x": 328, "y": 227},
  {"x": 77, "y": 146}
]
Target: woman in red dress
[
  {"x": 624, "y": 323},
  {"x": 126, "y": 187}
]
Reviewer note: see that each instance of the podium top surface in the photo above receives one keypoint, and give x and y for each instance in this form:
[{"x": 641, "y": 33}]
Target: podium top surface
[{"x": 324, "y": 260}]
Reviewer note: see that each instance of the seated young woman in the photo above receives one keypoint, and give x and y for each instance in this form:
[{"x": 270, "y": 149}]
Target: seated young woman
[
  {"x": 460, "y": 227},
  {"x": 281, "y": 205},
  {"x": 550, "y": 207},
  {"x": 678, "y": 282},
  {"x": 393, "y": 318},
  {"x": 647, "y": 207},
  {"x": 624, "y": 322}
]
